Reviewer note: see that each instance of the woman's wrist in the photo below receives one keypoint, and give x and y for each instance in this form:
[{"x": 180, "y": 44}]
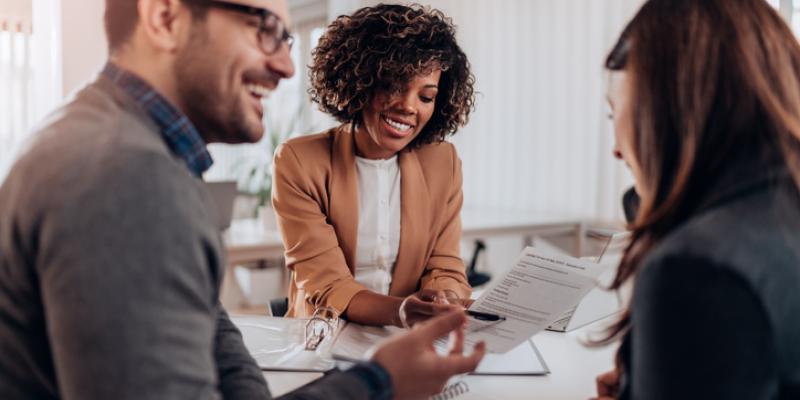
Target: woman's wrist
[
  {"x": 370, "y": 308},
  {"x": 451, "y": 295}
]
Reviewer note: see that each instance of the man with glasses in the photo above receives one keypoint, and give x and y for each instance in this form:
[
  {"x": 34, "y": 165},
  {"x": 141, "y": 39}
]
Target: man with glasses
[{"x": 110, "y": 260}]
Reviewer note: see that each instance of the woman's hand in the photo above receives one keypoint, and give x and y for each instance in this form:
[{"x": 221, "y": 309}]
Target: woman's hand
[
  {"x": 425, "y": 304},
  {"x": 608, "y": 385}
]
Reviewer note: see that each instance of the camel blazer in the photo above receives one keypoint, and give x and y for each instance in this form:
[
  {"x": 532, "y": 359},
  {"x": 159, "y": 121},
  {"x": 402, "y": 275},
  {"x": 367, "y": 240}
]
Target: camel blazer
[{"x": 315, "y": 196}]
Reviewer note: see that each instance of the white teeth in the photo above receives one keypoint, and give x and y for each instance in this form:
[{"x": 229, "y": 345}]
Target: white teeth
[
  {"x": 258, "y": 90},
  {"x": 397, "y": 125}
]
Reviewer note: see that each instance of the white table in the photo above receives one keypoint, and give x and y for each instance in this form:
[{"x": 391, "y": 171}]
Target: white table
[
  {"x": 573, "y": 368},
  {"x": 248, "y": 241}
]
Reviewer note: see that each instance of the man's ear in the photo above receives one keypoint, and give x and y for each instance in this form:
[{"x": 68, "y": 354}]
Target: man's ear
[{"x": 163, "y": 22}]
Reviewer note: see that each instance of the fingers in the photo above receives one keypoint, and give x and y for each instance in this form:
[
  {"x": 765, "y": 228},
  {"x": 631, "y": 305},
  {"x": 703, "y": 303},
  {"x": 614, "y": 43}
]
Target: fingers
[
  {"x": 457, "y": 341},
  {"x": 607, "y": 383},
  {"x": 429, "y": 295},
  {"x": 460, "y": 364},
  {"x": 440, "y": 326}
]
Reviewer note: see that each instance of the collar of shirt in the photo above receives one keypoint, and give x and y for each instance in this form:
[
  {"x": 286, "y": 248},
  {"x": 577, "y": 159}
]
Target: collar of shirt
[{"x": 178, "y": 132}]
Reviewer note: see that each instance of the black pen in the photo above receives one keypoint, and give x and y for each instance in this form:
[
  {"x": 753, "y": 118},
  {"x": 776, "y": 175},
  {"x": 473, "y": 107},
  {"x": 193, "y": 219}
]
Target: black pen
[{"x": 482, "y": 316}]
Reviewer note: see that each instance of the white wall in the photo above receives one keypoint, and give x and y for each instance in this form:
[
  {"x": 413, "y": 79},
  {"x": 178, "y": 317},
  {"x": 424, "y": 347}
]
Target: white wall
[
  {"x": 539, "y": 138},
  {"x": 16, "y": 9},
  {"x": 83, "y": 42}
]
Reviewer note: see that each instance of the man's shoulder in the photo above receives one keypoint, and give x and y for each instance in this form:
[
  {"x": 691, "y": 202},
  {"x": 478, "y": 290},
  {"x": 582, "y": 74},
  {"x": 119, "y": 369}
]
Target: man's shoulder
[
  {"x": 98, "y": 116},
  {"x": 98, "y": 120},
  {"x": 95, "y": 139}
]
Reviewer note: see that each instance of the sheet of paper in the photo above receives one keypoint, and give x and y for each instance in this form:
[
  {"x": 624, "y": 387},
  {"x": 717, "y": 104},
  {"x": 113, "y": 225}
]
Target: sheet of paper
[
  {"x": 521, "y": 360},
  {"x": 534, "y": 293},
  {"x": 599, "y": 302},
  {"x": 355, "y": 341}
]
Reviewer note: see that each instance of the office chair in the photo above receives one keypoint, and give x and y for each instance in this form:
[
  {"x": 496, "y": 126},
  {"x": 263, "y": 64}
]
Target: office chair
[
  {"x": 279, "y": 307},
  {"x": 474, "y": 277},
  {"x": 630, "y": 204}
]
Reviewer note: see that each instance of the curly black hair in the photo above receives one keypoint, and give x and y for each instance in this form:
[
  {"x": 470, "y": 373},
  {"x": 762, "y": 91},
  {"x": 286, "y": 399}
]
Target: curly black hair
[{"x": 379, "y": 50}]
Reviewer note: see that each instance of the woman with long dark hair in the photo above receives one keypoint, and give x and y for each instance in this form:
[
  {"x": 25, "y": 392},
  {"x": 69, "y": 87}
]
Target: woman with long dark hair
[{"x": 706, "y": 107}]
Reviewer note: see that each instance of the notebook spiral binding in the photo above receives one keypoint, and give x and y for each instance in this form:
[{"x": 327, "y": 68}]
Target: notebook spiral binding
[{"x": 452, "y": 391}]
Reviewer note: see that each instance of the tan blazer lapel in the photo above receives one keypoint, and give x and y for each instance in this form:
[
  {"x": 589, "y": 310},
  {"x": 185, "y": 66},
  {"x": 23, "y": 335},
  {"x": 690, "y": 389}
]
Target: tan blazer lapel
[
  {"x": 415, "y": 222},
  {"x": 344, "y": 193}
]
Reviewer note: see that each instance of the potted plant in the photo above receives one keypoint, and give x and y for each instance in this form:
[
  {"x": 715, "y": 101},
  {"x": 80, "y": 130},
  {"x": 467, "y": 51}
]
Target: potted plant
[{"x": 254, "y": 170}]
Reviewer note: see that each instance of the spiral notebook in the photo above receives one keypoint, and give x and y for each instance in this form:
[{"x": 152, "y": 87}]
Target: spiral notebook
[{"x": 458, "y": 389}]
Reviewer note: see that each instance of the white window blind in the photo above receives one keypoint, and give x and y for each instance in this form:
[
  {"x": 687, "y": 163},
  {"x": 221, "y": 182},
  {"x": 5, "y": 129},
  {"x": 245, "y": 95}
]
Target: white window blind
[
  {"x": 30, "y": 71},
  {"x": 16, "y": 83}
]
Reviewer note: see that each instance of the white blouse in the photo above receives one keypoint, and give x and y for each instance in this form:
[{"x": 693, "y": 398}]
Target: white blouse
[{"x": 378, "y": 222}]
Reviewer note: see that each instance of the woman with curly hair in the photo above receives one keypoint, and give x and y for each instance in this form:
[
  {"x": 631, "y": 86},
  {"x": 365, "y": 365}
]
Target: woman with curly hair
[{"x": 369, "y": 211}]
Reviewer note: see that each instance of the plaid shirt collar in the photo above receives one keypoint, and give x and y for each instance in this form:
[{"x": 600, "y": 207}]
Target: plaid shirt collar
[{"x": 178, "y": 132}]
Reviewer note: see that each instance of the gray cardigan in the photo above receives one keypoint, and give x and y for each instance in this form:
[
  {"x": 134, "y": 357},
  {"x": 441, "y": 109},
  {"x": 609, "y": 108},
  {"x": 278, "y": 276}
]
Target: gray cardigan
[
  {"x": 716, "y": 305},
  {"x": 110, "y": 267}
]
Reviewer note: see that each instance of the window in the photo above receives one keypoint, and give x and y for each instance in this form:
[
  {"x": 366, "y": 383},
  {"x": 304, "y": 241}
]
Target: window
[
  {"x": 29, "y": 69},
  {"x": 790, "y": 9},
  {"x": 15, "y": 79}
]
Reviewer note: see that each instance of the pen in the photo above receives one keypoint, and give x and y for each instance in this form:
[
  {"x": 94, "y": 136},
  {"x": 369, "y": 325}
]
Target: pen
[{"x": 482, "y": 316}]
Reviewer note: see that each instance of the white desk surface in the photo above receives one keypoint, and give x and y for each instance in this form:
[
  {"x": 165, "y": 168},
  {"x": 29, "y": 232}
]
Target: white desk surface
[
  {"x": 247, "y": 240},
  {"x": 573, "y": 368}
]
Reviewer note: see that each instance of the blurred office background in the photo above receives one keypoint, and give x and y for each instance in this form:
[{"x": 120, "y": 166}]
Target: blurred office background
[{"x": 539, "y": 141}]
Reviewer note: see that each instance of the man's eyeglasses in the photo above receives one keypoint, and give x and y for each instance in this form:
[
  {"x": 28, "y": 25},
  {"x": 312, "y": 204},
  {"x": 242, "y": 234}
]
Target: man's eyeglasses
[{"x": 272, "y": 31}]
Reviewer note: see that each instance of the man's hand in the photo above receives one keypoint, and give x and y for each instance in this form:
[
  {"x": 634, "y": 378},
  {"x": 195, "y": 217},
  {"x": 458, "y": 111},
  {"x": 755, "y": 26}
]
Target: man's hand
[
  {"x": 608, "y": 385},
  {"x": 425, "y": 304},
  {"x": 416, "y": 369}
]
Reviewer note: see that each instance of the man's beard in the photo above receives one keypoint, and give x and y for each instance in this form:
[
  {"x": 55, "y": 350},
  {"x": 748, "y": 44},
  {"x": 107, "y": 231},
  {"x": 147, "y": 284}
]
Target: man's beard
[{"x": 217, "y": 118}]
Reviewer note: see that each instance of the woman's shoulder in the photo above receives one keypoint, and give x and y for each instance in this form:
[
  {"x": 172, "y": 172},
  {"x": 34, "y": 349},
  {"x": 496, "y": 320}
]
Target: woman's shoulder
[
  {"x": 439, "y": 163},
  {"x": 744, "y": 245},
  {"x": 751, "y": 235},
  {"x": 305, "y": 155},
  {"x": 436, "y": 155},
  {"x": 315, "y": 144}
]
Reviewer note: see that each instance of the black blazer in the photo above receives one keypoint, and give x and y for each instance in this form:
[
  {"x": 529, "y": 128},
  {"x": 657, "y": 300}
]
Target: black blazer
[{"x": 716, "y": 306}]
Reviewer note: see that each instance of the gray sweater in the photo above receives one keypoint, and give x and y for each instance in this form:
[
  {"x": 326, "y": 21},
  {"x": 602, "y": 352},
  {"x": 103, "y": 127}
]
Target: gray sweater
[{"x": 110, "y": 267}]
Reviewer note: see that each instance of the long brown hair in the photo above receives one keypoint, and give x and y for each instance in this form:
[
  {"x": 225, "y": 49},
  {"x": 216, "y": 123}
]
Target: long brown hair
[{"x": 712, "y": 81}]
